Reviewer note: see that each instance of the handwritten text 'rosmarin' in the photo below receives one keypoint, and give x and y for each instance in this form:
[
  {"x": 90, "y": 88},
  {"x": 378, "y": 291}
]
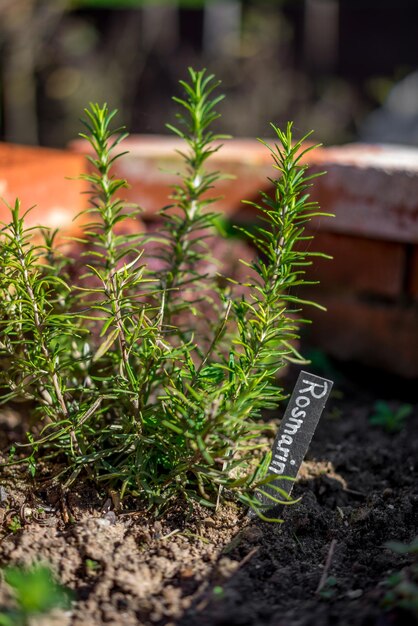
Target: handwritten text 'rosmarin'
[{"x": 312, "y": 391}]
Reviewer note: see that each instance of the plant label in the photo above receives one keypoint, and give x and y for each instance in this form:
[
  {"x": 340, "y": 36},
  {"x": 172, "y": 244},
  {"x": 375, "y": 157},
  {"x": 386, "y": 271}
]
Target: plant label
[{"x": 295, "y": 434}]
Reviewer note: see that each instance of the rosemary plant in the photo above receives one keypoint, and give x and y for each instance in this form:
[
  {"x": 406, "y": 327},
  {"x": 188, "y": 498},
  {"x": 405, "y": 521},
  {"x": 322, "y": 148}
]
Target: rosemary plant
[{"x": 152, "y": 382}]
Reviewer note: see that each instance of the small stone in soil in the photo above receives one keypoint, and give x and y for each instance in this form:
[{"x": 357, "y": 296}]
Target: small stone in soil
[
  {"x": 227, "y": 567},
  {"x": 157, "y": 530},
  {"x": 186, "y": 572},
  {"x": 110, "y": 516},
  {"x": 252, "y": 534}
]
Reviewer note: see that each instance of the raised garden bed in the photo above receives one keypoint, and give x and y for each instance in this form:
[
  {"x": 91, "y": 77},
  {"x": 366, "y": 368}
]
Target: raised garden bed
[
  {"x": 45, "y": 179},
  {"x": 370, "y": 289}
]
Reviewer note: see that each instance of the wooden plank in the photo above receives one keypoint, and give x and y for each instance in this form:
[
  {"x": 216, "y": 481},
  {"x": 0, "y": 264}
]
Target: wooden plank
[{"x": 372, "y": 190}]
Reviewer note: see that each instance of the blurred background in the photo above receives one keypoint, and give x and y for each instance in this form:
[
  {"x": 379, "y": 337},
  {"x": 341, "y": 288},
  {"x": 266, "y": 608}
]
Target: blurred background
[{"x": 347, "y": 68}]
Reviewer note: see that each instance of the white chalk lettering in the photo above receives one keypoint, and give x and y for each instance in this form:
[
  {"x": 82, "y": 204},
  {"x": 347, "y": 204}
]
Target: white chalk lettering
[
  {"x": 302, "y": 401},
  {"x": 285, "y": 454},
  {"x": 285, "y": 451},
  {"x": 281, "y": 458},
  {"x": 292, "y": 429},
  {"x": 311, "y": 386}
]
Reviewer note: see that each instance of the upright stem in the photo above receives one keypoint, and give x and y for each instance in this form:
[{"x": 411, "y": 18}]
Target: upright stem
[
  {"x": 56, "y": 380},
  {"x": 38, "y": 326}
]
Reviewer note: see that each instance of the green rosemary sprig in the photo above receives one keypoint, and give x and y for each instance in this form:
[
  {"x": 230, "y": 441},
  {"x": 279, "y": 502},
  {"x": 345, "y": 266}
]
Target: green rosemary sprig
[
  {"x": 31, "y": 331},
  {"x": 188, "y": 223},
  {"x": 269, "y": 319}
]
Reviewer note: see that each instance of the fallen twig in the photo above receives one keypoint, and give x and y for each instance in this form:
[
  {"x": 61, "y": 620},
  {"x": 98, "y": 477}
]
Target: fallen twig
[
  {"x": 248, "y": 556},
  {"x": 327, "y": 566}
]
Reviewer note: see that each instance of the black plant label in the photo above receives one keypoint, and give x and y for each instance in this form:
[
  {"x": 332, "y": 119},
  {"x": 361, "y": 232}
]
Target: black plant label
[{"x": 295, "y": 434}]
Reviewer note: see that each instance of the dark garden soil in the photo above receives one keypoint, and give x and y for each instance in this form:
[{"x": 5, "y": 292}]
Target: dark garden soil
[{"x": 358, "y": 488}]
